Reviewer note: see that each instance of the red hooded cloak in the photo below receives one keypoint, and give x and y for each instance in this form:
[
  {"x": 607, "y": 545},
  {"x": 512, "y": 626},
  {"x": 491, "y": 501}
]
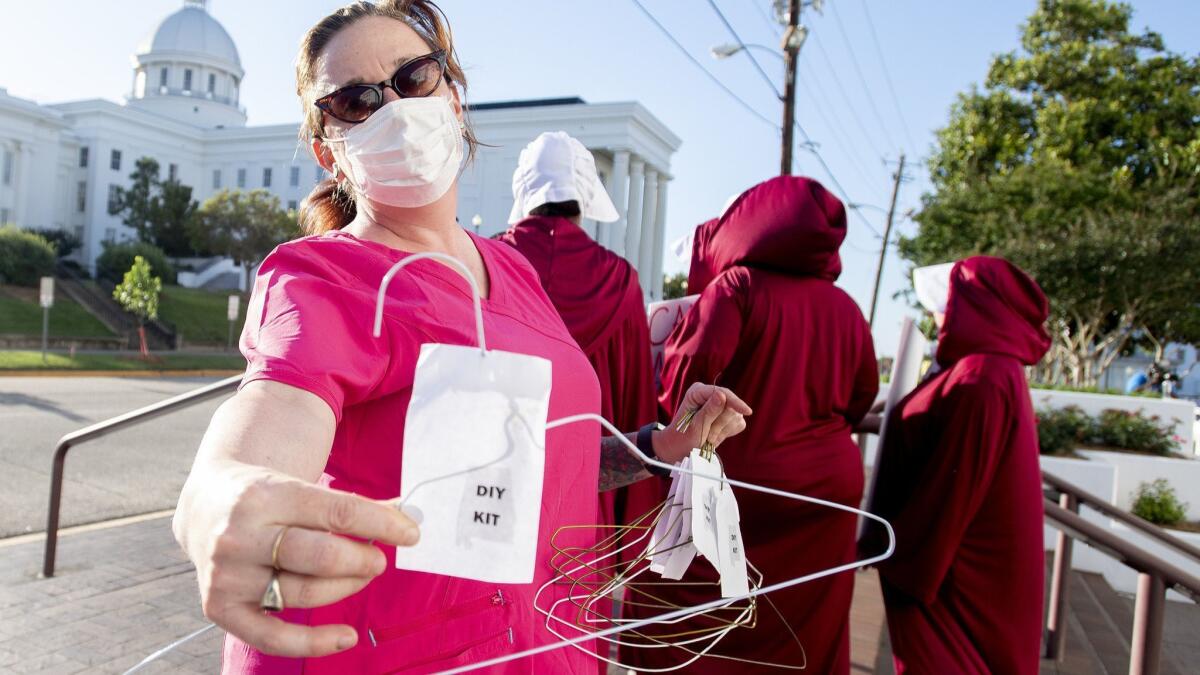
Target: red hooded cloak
[
  {"x": 960, "y": 483},
  {"x": 773, "y": 327}
]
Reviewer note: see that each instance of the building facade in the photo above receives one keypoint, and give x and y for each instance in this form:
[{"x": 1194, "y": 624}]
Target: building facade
[{"x": 61, "y": 164}]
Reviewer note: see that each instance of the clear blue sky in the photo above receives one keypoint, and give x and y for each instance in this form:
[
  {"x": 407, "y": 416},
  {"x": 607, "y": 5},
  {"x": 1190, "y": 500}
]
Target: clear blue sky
[{"x": 606, "y": 50}]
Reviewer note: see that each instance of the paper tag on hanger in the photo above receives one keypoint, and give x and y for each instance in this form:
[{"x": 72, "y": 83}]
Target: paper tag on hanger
[
  {"x": 684, "y": 551},
  {"x": 731, "y": 549},
  {"x": 473, "y": 462},
  {"x": 660, "y": 539},
  {"x": 705, "y": 493}
]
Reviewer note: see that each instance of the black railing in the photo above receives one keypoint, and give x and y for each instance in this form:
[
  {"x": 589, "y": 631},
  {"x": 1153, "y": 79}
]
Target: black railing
[{"x": 105, "y": 428}]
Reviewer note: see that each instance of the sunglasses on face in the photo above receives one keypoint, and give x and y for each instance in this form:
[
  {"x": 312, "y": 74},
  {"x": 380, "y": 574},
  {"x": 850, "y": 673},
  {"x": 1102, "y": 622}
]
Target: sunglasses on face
[{"x": 417, "y": 78}]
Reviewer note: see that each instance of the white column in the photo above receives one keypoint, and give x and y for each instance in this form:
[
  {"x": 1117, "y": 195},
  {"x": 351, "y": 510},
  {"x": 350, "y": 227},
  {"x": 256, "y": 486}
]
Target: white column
[
  {"x": 615, "y": 232},
  {"x": 22, "y": 167},
  {"x": 645, "y": 263},
  {"x": 660, "y": 234},
  {"x": 633, "y": 214}
]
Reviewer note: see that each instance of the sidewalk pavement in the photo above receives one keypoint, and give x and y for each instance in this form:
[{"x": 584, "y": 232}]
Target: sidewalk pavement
[{"x": 122, "y": 592}]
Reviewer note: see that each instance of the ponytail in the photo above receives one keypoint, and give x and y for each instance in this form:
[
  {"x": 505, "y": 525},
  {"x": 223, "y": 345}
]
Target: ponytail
[{"x": 327, "y": 207}]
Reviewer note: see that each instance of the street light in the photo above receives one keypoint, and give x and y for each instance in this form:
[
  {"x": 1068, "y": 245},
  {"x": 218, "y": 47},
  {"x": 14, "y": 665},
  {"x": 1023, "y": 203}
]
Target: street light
[{"x": 727, "y": 50}]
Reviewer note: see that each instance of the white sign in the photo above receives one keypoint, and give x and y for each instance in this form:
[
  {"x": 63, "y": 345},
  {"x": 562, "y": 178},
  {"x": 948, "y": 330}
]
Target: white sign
[
  {"x": 473, "y": 462},
  {"x": 663, "y": 317},
  {"x": 234, "y": 301},
  {"x": 47, "y": 292}
]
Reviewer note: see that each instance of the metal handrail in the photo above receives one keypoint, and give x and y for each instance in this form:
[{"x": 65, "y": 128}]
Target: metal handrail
[
  {"x": 1129, "y": 554},
  {"x": 1144, "y": 526},
  {"x": 105, "y": 428},
  {"x": 1155, "y": 577}
]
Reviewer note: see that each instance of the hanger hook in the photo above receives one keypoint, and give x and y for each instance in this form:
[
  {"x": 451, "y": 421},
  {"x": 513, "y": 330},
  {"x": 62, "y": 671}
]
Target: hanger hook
[{"x": 449, "y": 261}]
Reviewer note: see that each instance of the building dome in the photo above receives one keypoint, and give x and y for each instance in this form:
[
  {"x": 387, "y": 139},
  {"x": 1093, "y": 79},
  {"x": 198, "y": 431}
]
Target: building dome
[
  {"x": 192, "y": 31},
  {"x": 188, "y": 69}
]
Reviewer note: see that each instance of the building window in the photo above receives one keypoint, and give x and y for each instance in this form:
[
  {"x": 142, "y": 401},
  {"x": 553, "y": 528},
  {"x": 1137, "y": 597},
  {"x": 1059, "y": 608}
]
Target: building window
[
  {"x": 4, "y": 216},
  {"x": 81, "y": 197},
  {"x": 291, "y": 205},
  {"x": 6, "y": 178},
  {"x": 294, "y": 177},
  {"x": 216, "y": 179},
  {"x": 267, "y": 177},
  {"x": 319, "y": 174},
  {"x": 212, "y": 83},
  {"x": 187, "y": 79},
  {"x": 172, "y": 172},
  {"x": 114, "y": 161},
  {"x": 114, "y": 198},
  {"x": 79, "y": 232},
  {"x": 110, "y": 234},
  {"x": 241, "y": 178},
  {"x": 83, "y": 157},
  {"x": 162, "y": 77}
]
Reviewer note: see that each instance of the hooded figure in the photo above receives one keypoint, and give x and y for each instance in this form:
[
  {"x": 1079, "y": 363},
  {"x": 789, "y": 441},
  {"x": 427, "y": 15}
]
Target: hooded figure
[
  {"x": 960, "y": 483},
  {"x": 771, "y": 325},
  {"x": 594, "y": 290}
]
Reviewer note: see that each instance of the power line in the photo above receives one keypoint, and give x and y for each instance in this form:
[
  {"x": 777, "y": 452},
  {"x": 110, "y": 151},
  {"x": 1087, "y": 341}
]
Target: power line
[
  {"x": 774, "y": 25},
  {"x": 750, "y": 109},
  {"x": 817, "y": 98},
  {"x": 746, "y": 50},
  {"x": 858, "y": 69},
  {"x": 833, "y": 179},
  {"x": 845, "y": 97},
  {"x": 888, "y": 77}
]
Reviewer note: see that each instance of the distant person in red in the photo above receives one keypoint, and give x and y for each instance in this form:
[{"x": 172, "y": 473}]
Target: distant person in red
[
  {"x": 595, "y": 291},
  {"x": 959, "y": 481},
  {"x": 771, "y": 325}
]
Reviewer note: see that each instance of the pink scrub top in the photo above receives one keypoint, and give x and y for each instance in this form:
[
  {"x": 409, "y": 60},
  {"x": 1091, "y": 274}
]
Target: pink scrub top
[{"x": 309, "y": 326}]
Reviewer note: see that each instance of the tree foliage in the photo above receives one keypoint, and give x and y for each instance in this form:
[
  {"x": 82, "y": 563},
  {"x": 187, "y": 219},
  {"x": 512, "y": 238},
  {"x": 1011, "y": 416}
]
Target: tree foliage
[
  {"x": 158, "y": 210},
  {"x": 1079, "y": 160},
  {"x": 244, "y": 226}
]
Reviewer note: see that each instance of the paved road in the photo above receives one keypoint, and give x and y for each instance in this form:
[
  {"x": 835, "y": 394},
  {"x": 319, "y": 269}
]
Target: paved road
[{"x": 134, "y": 471}]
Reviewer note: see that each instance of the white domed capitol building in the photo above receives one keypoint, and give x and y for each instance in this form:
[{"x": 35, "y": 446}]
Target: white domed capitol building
[{"x": 61, "y": 164}]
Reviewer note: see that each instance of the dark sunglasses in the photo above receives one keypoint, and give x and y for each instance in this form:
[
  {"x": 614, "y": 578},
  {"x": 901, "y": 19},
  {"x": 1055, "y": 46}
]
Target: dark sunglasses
[{"x": 414, "y": 79}]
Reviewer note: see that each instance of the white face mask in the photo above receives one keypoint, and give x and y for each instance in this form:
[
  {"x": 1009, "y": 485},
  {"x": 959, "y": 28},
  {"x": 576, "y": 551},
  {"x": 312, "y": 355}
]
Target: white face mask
[{"x": 407, "y": 154}]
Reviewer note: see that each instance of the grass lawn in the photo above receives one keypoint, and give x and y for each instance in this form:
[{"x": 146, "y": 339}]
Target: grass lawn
[
  {"x": 199, "y": 315},
  {"x": 32, "y": 360},
  {"x": 20, "y": 314}
]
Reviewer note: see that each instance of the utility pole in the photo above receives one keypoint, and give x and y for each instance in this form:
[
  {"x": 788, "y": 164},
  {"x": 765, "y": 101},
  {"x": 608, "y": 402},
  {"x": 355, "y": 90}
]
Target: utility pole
[
  {"x": 887, "y": 235},
  {"x": 792, "y": 39}
]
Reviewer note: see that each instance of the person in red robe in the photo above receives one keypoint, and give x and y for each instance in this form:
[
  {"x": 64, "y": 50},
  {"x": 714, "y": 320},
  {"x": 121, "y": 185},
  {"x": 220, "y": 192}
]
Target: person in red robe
[
  {"x": 771, "y": 325},
  {"x": 959, "y": 481},
  {"x": 596, "y": 292}
]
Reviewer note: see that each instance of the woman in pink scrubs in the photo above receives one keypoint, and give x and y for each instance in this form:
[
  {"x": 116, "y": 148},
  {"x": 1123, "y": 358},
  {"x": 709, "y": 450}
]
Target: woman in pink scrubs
[{"x": 288, "y": 486}]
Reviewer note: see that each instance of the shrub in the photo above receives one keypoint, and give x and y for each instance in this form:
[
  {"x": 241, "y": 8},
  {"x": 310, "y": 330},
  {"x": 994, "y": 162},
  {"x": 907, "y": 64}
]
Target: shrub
[
  {"x": 25, "y": 257},
  {"x": 1133, "y": 431},
  {"x": 63, "y": 242},
  {"x": 117, "y": 259},
  {"x": 1158, "y": 503},
  {"x": 1061, "y": 429}
]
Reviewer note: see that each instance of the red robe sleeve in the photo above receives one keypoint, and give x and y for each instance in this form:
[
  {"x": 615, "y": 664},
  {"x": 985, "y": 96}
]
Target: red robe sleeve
[
  {"x": 949, "y": 490},
  {"x": 703, "y": 344},
  {"x": 866, "y": 378}
]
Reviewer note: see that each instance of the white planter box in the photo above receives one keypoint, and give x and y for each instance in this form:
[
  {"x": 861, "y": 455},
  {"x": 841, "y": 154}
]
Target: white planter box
[
  {"x": 1180, "y": 414},
  {"x": 1133, "y": 470}
]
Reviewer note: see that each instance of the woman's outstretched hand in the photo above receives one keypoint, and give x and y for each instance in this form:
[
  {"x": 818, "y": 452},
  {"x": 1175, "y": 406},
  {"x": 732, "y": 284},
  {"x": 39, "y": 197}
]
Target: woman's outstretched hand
[
  {"x": 715, "y": 413},
  {"x": 231, "y": 537}
]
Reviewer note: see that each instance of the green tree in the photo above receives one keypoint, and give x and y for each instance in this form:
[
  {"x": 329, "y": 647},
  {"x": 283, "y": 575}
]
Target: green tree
[
  {"x": 136, "y": 203},
  {"x": 158, "y": 210},
  {"x": 173, "y": 210},
  {"x": 1079, "y": 160},
  {"x": 674, "y": 286},
  {"x": 244, "y": 226},
  {"x": 138, "y": 295}
]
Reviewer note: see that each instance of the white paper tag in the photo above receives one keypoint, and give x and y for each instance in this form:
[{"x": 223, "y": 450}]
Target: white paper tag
[
  {"x": 684, "y": 550},
  {"x": 731, "y": 549},
  {"x": 473, "y": 462},
  {"x": 705, "y": 492},
  {"x": 659, "y": 546}
]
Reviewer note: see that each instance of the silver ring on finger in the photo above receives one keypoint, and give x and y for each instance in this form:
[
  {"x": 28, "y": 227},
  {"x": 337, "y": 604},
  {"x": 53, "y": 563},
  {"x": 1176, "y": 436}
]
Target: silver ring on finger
[{"x": 272, "y": 598}]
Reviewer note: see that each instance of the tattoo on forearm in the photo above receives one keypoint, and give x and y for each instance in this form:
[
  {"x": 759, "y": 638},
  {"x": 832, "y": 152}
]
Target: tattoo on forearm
[{"x": 618, "y": 466}]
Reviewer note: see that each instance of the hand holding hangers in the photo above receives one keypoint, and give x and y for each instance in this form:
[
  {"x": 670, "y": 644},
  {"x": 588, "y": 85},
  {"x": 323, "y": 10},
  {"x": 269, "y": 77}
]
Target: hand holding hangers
[{"x": 708, "y": 415}]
